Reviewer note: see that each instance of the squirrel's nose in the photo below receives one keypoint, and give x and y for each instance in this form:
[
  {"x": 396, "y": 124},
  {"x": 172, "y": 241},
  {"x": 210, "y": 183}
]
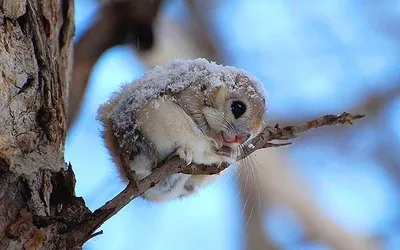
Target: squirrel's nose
[{"x": 242, "y": 138}]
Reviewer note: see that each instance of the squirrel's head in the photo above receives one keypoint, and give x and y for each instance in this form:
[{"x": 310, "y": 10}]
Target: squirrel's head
[{"x": 235, "y": 113}]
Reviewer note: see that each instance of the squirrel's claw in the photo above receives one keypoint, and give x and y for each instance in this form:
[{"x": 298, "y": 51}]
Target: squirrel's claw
[{"x": 185, "y": 154}]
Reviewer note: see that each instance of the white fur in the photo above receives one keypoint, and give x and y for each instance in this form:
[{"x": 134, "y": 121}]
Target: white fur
[
  {"x": 178, "y": 133},
  {"x": 145, "y": 166},
  {"x": 164, "y": 191}
]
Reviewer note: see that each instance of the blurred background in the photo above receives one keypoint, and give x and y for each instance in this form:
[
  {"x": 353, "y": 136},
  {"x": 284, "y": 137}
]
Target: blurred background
[{"x": 334, "y": 188}]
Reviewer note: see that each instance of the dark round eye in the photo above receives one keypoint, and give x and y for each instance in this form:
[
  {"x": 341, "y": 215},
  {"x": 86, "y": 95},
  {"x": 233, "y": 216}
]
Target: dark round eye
[{"x": 238, "y": 108}]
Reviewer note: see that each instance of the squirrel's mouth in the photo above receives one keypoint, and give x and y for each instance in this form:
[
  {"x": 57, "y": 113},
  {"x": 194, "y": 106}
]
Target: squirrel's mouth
[
  {"x": 225, "y": 143},
  {"x": 232, "y": 140},
  {"x": 226, "y": 146}
]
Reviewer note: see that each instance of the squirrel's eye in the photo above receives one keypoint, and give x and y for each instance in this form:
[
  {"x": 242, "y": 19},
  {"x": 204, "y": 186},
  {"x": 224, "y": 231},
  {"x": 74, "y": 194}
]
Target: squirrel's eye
[{"x": 238, "y": 108}]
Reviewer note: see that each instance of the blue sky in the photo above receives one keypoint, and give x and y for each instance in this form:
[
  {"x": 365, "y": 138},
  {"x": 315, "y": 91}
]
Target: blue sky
[{"x": 314, "y": 57}]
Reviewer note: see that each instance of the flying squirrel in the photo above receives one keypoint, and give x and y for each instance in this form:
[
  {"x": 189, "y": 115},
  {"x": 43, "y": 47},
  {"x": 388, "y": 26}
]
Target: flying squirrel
[{"x": 199, "y": 110}]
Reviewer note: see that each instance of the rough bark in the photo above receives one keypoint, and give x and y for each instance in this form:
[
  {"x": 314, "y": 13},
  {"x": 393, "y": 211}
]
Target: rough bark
[{"x": 35, "y": 63}]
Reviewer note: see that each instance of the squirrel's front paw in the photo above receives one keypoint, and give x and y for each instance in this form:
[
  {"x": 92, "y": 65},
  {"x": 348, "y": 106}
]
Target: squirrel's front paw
[{"x": 185, "y": 154}]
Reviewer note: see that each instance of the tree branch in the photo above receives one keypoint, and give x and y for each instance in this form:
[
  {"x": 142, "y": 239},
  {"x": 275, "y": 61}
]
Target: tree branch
[
  {"x": 119, "y": 22},
  {"x": 84, "y": 231}
]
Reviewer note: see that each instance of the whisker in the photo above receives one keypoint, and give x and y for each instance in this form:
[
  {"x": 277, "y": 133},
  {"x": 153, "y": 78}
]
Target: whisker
[
  {"x": 237, "y": 173},
  {"x": 243, "y": 189},
  {"x": 226, "y": 121},
  {"x": 246, "y": 182},
  {"x": 258, "y": 188},
  {"x": 241, "y": 150},
  {"x": 261, "y": 166},
  {"x": 247, "y": 167},
  {"x": 249, "y": 217},
  {"x": 245, "y": 205},
  {"x": 249, "y": 164}
]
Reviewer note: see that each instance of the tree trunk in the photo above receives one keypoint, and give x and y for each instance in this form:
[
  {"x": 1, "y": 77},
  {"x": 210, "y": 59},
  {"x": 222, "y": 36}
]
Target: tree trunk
[{"x": 36, "y": 187}]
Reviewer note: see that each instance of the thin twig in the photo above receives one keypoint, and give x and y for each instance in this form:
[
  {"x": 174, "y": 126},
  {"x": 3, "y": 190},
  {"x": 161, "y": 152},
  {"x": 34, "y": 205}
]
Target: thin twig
[
  {"x": 80, "y": 234},
  {"x": 290, "y": 132},
  {"x": 119, "y": 22}
]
